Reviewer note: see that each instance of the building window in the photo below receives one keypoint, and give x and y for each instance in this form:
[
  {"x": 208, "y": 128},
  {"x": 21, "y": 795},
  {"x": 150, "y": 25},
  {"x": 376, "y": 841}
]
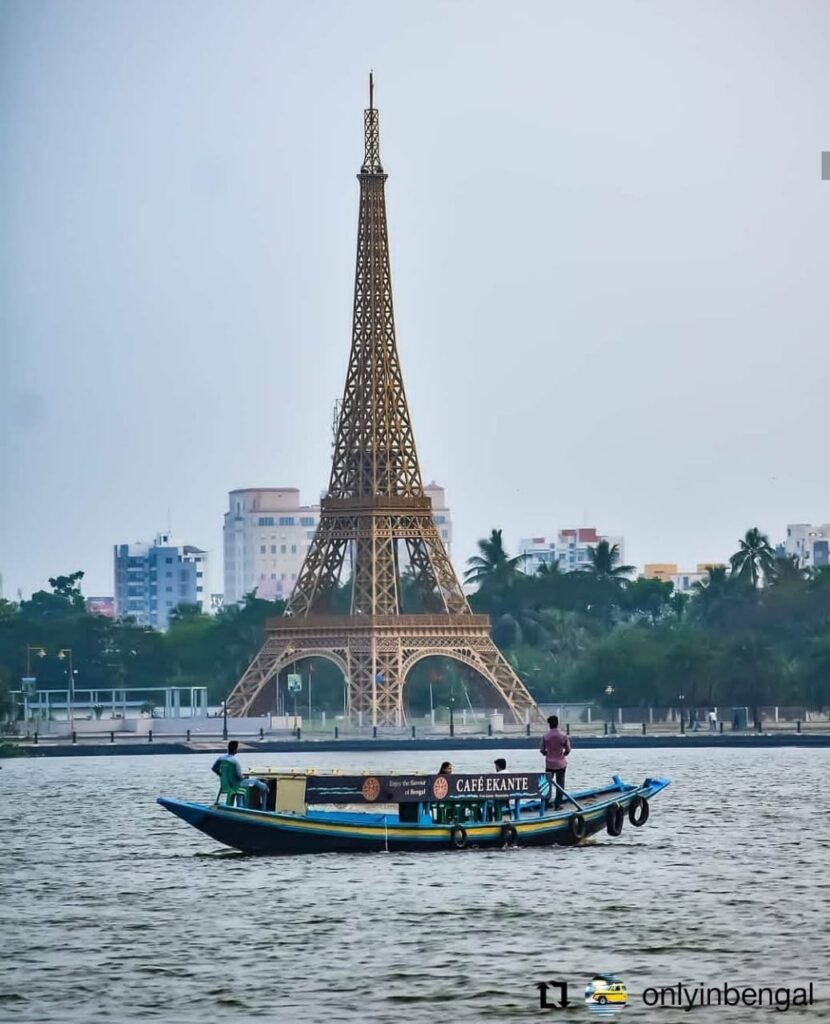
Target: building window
[
  {"x": 265, "y": 521},
  {"x": 286, "y": 520},
  {"x": 306, "y": 520},
  {"x": 282, "y": 549},
  {"x": 199, "y": 575},
  {"x": 440, "y": 520},
  {"x": 169, "y": 561},
  {"x": 293, "y": 549},
  {"x": 262, "y": 549},
  {"x": 169, "y": 591},
  {"x": 273, "y": 549},
  {"x": 199, "y": 590}
]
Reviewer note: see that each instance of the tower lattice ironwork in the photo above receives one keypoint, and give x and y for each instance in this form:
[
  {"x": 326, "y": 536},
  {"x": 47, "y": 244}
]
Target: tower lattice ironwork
[{"x": 374, "y": 511}]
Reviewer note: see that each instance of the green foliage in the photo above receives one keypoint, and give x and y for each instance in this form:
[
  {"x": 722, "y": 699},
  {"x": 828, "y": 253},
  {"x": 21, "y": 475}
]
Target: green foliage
[
  {"x": 491, "y": 568},
  {"x": 757, "y": 632},
  {"x": 5, "y": 695},
  {"x": 754, "y": 561},
  {"x": 197, "y": 650}
]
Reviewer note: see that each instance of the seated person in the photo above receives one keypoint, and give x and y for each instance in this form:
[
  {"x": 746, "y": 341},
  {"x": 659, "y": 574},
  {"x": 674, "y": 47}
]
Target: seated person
[{"x": 240, "y": 780}]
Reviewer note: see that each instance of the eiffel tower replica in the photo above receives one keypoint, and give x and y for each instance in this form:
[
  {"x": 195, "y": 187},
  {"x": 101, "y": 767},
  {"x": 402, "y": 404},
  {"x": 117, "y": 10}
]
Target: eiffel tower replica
[{"x": 374, "y": 513}]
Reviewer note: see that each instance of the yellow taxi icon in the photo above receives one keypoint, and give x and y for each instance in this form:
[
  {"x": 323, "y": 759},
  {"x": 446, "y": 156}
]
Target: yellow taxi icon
[{"x": 608, "y": 992}]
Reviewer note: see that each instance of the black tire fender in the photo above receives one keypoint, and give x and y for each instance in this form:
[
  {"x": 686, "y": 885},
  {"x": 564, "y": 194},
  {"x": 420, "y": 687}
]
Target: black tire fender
[
  {"x": 509, "y": 835},
  {"x": 577, "y": 827},
  {"x": 638, "y": 811},
  {"x": 458, "y": 837},
  {"x": 614, "y": 819}
]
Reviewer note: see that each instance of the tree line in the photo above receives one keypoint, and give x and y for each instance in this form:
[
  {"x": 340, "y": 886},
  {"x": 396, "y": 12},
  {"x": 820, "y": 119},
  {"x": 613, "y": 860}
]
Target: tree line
[
  {"x": 755, "y": 632},
  {"x": 53, "y": 633}
]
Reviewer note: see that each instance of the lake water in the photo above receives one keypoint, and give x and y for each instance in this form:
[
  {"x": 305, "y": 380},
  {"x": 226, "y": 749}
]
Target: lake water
[{"x": 113, "y": 910}]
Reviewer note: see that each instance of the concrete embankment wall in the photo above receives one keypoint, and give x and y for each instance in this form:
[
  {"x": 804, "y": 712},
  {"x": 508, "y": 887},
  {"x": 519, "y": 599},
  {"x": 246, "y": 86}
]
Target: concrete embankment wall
[{"x": 752, "y": 740}]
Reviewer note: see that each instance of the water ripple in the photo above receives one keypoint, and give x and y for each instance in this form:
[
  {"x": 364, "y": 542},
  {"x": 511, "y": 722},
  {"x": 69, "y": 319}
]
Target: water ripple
[{"x": 115, "y": 911}]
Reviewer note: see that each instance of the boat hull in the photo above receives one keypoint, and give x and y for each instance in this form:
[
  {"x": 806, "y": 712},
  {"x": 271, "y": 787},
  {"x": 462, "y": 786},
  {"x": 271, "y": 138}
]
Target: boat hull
[{"x": 264, "y": 832}]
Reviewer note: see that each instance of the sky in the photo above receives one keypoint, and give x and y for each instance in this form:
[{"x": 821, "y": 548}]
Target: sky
[{"x": 609, "y": 244}]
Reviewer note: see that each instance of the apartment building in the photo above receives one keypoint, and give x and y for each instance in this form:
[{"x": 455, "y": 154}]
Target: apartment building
[
  {"x": 151, "y": 579},
  {"x": 569, "y": 548},
  {"x": 267, "y": 532}
]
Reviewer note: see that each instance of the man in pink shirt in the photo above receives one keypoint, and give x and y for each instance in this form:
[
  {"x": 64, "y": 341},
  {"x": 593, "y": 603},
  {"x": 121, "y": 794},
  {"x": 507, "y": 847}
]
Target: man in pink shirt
[{"x": 555, "y": 746}]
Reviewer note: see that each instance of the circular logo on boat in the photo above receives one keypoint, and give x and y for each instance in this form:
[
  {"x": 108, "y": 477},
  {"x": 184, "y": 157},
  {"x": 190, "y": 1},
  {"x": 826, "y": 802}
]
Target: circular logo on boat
[
  {"x": 440, "y": 787},
  {"x": 370, "y": 789}
]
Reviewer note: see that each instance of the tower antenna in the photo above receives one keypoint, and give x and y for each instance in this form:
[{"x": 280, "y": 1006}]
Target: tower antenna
[{"x": 371, "y": 160}]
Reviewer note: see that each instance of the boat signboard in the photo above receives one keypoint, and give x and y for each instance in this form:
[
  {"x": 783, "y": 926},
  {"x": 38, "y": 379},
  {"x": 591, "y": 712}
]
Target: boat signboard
[
  {"x": 370, "y": 789},
  {"x": 488, "y": 785},
  {"x": 398, "y": 789}
]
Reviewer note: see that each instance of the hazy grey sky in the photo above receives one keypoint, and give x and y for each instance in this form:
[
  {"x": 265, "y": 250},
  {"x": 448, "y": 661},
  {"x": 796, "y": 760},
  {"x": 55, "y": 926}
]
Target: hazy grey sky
[{"x": 609, "y": 253}]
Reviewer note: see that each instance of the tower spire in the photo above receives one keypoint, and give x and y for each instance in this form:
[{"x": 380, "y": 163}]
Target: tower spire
[{"x": 371, "y": 159}]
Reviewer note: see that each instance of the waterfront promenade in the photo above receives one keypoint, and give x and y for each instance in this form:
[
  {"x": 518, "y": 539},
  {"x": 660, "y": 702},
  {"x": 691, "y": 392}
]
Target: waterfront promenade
[{"x": 815, "y": 735}]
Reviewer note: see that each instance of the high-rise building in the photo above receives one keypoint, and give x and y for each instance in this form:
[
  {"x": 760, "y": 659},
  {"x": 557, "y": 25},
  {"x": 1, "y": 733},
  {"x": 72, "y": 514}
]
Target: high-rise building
[
  {"x": 809, "y": 544},
  {"x": 267, "y": 533},
  {"x": 569, "y": 548},
  {"x": 152, "y": 579}
]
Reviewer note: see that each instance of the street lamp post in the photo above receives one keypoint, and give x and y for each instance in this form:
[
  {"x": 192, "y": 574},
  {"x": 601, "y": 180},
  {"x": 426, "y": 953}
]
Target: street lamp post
[
  {"x": 29, "y": 681},
  {"x": 681, "y": 697},
  {"x": 224, "y": 719},
  {"x": 609, "y": 693},
  {"x": 452, "y": 715},
  {"x": 63, "y": 653},
  {"x": 38, "y": 650}
]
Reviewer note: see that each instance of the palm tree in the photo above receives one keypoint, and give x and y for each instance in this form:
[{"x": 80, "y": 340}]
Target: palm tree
[
  {"x": 754, "y": 561},
  {"x": 604, "y": 558},
  {"x": 551, "y": 568},
  {"x": 787, "y": 572},
  {"x": 492, "y": 567},
  {"x": 714, "y": 582}
]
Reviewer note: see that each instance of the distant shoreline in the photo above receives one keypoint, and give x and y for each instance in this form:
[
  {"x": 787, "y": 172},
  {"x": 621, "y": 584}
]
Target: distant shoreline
[{"x": 753, "y": 740}]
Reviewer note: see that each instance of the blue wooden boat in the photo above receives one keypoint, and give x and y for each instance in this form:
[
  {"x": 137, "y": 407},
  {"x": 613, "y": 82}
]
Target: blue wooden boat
[{"x": 307, "y": 812}]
